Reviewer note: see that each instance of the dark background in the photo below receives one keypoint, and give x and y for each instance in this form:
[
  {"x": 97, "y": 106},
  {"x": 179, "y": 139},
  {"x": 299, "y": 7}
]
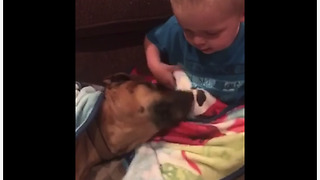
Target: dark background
[
  {"x": 110, "y": 34},
  {"x": 43, "y": 55}
]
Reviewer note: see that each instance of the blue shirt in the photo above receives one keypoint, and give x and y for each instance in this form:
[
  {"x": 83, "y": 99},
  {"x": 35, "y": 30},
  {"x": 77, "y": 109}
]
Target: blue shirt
[{"x": 220, "y": 73}]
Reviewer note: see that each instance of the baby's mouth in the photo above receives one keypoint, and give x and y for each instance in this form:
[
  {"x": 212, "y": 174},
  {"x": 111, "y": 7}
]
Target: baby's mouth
[
  {"x": 204, "y": 49},
  {"x": 207, "y": 50}
]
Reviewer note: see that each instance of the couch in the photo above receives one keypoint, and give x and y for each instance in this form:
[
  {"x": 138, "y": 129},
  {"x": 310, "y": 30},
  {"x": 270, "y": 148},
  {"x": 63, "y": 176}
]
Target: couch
[{"x": 110, "y": 33}]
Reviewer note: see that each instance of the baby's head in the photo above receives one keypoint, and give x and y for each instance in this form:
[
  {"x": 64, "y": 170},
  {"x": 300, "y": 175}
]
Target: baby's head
[{"x": 209, "y": 25}]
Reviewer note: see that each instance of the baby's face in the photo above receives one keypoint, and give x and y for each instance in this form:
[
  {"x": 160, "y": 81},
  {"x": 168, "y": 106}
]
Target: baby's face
[{"x": 209, "y": 30}]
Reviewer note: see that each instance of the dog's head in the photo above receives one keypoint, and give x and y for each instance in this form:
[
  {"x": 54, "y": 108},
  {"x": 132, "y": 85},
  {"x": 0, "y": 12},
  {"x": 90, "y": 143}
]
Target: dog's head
[{"x": 135, "y": 110}]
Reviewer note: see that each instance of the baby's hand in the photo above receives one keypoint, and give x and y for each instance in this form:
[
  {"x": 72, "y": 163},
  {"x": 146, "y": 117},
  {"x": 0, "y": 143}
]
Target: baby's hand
[{"x": 164, "y": 74}]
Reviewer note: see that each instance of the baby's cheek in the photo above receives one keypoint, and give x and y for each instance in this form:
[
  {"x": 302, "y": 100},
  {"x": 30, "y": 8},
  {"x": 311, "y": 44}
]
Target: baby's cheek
[
  {"x": 218, "y": 45},
  {"x": 189, "y": 40}
]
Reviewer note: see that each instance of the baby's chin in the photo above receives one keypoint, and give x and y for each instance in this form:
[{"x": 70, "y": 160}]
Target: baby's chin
[{"x": 210, "y": 50}]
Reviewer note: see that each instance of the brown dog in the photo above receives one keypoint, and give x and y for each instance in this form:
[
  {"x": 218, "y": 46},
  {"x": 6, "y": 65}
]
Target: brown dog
[{"x": 133, "y": 111}]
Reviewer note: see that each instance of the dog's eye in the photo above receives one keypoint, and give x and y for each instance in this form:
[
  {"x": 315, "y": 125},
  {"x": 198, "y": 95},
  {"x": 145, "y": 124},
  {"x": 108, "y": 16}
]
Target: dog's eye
[{"x": 149, "y": 85}]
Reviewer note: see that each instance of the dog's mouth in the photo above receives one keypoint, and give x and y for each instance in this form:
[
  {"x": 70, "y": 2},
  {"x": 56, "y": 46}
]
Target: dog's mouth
[{"x": 174, "y": 108}]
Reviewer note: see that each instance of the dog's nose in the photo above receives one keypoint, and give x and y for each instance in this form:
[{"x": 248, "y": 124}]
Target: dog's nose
[{"x": 183, "y": 99}]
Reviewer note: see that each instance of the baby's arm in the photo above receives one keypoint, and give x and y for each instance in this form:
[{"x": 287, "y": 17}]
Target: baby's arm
[{"x": 162, "y": 72}]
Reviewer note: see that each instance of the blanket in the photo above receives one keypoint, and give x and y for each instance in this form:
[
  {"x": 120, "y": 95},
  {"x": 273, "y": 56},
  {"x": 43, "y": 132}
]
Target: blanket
[
  {"x": 194, "y": 149},
  {"x": 88, "y": 100}
]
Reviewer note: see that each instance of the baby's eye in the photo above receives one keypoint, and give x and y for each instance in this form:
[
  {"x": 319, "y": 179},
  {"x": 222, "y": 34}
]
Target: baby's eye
[
  {"x": 211, "y": 34},
  {"x": 188, "y": 32}
]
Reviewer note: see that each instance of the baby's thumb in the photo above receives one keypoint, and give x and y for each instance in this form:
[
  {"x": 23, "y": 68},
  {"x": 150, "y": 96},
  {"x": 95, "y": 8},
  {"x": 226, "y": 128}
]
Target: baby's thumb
[
  {"x": 171, "y": 82},
  {"x": 176, "y": 68}
]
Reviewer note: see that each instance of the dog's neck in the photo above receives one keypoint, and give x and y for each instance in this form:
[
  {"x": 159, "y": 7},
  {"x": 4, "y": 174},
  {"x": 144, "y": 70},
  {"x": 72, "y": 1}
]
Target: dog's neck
[
  {"x": 98, "y": 140},
  {"x": 91, "y": 149},
  {"x": 86, "y": 156}
]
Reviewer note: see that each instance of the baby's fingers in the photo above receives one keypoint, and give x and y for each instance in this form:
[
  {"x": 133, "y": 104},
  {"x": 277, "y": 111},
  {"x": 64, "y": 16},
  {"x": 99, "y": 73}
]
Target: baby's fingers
[{"x": 175, "y": 68}]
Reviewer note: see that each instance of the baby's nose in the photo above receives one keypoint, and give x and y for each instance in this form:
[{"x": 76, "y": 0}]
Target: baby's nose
[{"x": 199, "y": 41}]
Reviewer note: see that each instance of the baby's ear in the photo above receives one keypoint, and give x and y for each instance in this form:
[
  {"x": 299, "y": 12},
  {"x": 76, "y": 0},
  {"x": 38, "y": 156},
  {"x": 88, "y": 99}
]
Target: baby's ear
[{"x": 242, "y": 18}]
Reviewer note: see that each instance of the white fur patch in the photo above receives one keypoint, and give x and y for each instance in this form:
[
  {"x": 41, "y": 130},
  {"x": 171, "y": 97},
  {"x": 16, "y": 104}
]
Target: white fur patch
[{"x": 183, "y": 83}]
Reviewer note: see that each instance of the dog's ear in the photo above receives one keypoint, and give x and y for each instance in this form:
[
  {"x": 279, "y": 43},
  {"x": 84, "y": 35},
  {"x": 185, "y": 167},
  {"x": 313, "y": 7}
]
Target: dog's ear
[
  {"x": 172, "y": 109},
  {"x": 116, "y": 78}
]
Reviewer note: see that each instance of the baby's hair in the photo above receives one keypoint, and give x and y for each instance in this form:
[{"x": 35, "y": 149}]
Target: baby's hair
[{"x": 236, "y": 6}]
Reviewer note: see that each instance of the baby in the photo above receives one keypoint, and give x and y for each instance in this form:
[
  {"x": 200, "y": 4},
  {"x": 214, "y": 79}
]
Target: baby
[{"x": 205, "y": 39}]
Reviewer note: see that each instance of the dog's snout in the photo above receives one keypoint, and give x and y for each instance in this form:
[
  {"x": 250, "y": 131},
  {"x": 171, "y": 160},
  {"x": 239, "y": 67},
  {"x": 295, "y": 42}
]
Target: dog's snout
[
  {"x": 183, "y": 99},
  {"x": 172, "y": 109}
]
